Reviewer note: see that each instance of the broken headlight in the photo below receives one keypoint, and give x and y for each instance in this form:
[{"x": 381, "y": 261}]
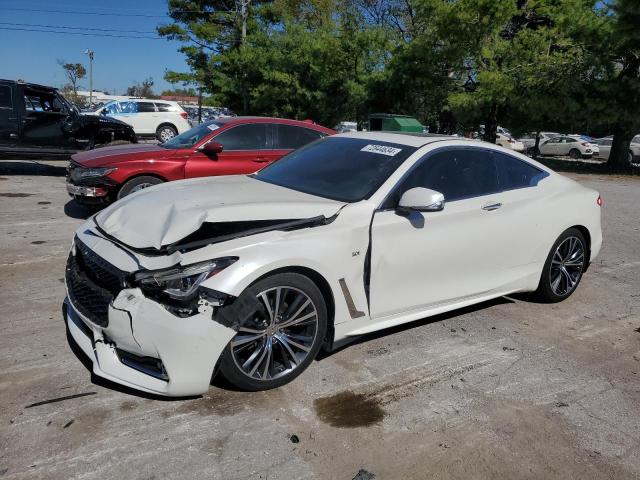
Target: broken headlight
[{"x": 181, "y": 283}]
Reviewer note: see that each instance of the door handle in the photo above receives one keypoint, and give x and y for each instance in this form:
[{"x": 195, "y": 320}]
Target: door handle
[
  {"x": 260, "y": 159},
  {"x": 491, "y": 206}
]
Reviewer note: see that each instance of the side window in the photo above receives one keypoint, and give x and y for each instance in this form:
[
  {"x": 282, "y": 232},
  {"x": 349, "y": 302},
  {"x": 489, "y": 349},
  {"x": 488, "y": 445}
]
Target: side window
[
  {"x": 111, "y": 109},
  {"x": 5, "y": 97},
  {"x": 456, "y": 173},
  {"x": 514, "y": 173},
  {"x": 291, "y": 137},
  {"x": 570, "y": 140},
  {"x": 145, "y": 107},
  {"x": 165, "y": 107},
  {"x": 128, "y": 107},
  {"x": 244, "y": 137}
]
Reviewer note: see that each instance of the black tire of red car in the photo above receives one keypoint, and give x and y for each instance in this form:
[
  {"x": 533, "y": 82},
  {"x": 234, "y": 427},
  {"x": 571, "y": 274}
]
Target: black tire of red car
[
  {"x": 556, "y": 260},
  {"x": 575, "y": 153},
  {"x": 138, "y": 183},
  {"x": 166, "y": 132},
  {"x": 229, "y": 363}
]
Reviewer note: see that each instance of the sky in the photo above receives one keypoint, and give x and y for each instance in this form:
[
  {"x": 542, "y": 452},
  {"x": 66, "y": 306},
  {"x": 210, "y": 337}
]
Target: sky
[{"x": 118, "y": 62}]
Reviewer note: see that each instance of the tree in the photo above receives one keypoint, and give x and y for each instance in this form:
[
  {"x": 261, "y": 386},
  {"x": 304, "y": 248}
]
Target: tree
[
  {"x": 616, "y": 57},
  {"x": 143, "y": 89},
  {"x": 73, "y": 72}
]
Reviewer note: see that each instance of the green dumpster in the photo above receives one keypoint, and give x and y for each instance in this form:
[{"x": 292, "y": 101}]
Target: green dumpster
[{"x": 394, "y": 123}]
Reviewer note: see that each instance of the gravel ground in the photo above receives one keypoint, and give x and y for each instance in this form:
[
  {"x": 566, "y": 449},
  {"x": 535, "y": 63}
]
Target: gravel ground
[{"x": 506, "y": 389}]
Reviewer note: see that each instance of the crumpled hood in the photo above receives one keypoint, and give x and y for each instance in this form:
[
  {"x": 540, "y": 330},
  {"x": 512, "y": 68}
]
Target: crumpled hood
[{"x": 164, "y": 214}]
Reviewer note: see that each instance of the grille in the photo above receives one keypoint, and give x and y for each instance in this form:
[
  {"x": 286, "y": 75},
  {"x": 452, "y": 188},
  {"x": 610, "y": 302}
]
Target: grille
[{"x": 92, "y": 283}]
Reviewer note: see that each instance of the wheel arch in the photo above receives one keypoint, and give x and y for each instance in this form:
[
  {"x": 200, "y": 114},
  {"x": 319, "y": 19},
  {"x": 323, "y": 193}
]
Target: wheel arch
[
  {"x": 137, "y": 175},
  {"x": 587, "y": 236},
  {"x": 166, "y": 124},
  {"x": 324, "y": 287}
]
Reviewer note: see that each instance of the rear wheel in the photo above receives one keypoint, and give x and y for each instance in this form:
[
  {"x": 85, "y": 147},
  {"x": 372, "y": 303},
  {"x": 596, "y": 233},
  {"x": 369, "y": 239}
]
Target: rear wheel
[
  {"x": 164, "y": 133},
  {"x": 136, "y": 184},
  {"x": 280, "y": 337},
  {"x": 575, "y": 153},
  {"x": 564, "y": 267}
]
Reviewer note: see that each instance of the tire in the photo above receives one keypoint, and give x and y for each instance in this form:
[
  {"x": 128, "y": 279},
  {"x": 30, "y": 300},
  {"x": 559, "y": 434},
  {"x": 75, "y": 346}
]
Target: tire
[
  {"x": 262, "y": 356},
  {"x": 136, "y": 184},
  {"x": 563, "y": 268},
  {"x": 165, "y": 133},
  {"x": 575, "y": 153}
]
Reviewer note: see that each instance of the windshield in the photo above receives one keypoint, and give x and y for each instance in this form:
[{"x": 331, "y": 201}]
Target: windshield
[
  {"x": 189, "y": 138},
  {"x": 345, "y": 169}
]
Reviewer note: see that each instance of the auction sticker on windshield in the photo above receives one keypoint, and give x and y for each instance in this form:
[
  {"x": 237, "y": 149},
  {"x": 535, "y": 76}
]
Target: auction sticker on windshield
[{"x": 381, "y": 149}]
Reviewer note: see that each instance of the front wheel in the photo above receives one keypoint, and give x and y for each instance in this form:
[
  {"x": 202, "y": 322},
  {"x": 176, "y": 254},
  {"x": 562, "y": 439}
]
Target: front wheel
[
  {"x": 564, "y": 267},
  {"x": 279, "y": 337},
  {"x": 137, "y": 184}
]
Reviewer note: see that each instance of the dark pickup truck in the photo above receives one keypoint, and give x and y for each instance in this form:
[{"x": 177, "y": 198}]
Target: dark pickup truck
[{"x": 38, "y": 119}]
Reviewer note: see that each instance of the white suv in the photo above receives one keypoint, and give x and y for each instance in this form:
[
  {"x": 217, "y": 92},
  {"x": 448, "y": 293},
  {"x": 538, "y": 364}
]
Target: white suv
[{"x": 159, "y": 118}]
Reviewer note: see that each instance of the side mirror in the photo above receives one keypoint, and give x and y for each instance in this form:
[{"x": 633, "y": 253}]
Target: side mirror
[
  {"x": 212, "y": 148},
  {"x": 420, "y": 199}
]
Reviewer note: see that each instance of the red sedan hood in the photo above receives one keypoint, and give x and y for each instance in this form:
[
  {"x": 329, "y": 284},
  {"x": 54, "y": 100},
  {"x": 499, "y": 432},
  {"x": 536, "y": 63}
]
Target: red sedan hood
[{"x": 107, "y": 156}]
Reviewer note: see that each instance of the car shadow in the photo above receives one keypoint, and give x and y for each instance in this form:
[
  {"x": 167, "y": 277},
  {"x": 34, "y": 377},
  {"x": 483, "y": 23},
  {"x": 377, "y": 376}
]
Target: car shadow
[
  {"x": 32, "y": 167},
  {"x": 414, "y": 324},
  {"x": 74, "y": 210}
]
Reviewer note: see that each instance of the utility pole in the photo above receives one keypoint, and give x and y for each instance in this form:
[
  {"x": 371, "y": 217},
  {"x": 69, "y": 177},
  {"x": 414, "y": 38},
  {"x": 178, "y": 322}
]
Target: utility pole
[{"x": 90, "y": 53}]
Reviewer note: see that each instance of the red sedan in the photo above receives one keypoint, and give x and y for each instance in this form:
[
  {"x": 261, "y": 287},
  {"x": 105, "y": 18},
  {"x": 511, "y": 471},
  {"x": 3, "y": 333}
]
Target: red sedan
[{"x": 227, "y": 146}]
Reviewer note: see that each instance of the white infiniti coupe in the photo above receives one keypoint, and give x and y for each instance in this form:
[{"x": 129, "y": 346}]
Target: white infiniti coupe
[{"x": 251, "y": 275}]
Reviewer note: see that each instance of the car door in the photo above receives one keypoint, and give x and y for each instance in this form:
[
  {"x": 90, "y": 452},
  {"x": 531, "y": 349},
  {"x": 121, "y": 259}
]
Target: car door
[
  {"x": 425, "y": 260},
  {"x": 44, "y": 120},
  {"x": 551, "y": 146},
  {"x": 8, "y": 116},
  {"x": 287, "y": 138},
  {"x": 146, "y": 118},
  {"x": 522, "y": 222},
  {"x": 244, "y": 151}
]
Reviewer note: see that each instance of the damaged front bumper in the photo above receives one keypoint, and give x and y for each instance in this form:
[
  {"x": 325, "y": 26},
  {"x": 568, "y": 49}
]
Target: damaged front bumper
[
  {"x": 135, "y": 341},
  {"x": 147, "y": 348}
]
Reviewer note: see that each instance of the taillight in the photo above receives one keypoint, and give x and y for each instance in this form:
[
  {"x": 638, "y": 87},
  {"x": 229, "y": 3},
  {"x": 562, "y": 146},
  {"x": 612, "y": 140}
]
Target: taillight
[
  {"x": 584, "y": 144},
  {"x": 184, "y": 115},
  {"x": 599, "y": 201},
  {"x": 511, "y": 140}
]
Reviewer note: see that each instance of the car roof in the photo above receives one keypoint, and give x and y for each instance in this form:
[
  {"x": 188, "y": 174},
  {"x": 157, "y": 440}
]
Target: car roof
[
  {"x": 257, "y": 119},
  {"x": 32, "y": 85},
  {"x": 402, "y": 138}
]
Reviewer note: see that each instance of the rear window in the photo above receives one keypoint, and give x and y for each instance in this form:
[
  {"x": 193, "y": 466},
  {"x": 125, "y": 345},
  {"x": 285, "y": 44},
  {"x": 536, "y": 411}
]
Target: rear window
[
  {"x": 165, "y": 107},
  {"x": 5, "y": 97},
  {"x": 145, "y": 107},
  {"x": 290, "y": 137}
]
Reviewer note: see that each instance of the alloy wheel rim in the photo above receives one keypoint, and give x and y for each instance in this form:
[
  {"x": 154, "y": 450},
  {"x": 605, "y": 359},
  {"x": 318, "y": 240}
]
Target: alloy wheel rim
[
  {"x": 166, "y": 134},
  {"x": 278, "y": 336},
  {"x": 140, "y": 187},
  {"x": 567, "y": 265}
]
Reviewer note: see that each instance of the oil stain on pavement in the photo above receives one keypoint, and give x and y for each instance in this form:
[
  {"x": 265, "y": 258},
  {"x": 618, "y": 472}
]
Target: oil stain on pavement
[{"x": 349, "y": 410}]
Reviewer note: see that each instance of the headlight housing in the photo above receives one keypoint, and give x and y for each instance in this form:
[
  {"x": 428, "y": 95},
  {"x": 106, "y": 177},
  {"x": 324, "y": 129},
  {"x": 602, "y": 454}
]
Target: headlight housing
[
  {"x": 181, "y": 283},
  {"x": 93, "y": 172}
]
